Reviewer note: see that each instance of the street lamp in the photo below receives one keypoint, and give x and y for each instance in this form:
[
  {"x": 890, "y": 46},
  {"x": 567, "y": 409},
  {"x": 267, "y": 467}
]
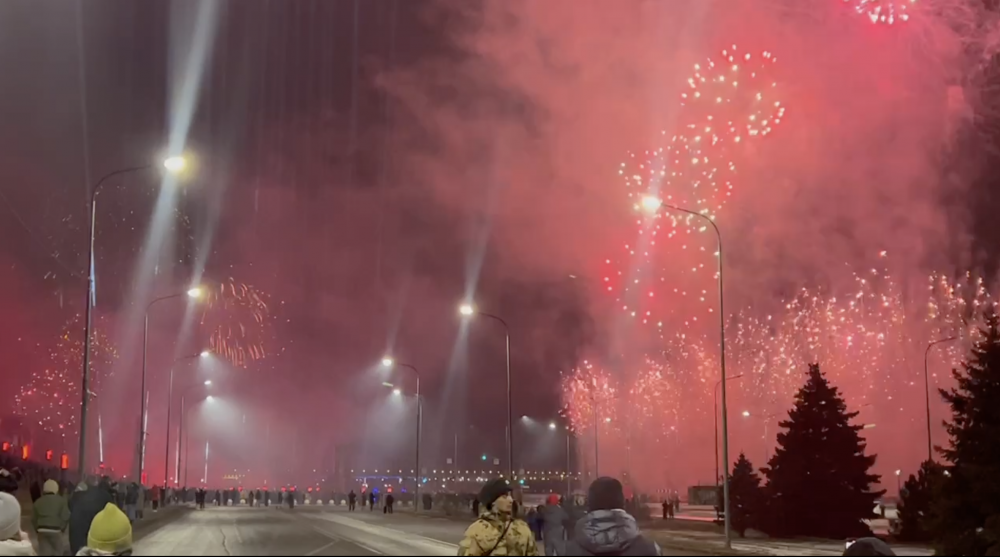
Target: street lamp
[
  {"x": 389, "y": 362},
  {"x": 88, "y": 319},
  {"x": 468, "y": 310},
  {"x": 175, "y": 164},
  {"x": 899, "y": 481},
  {"x": 170, "y": 404},
  {"x": 181, "y": 433},
  {"x": 653, "y": 204},
  {"x": 927, "y": 393},
  {"x": 715, "y": 395},
  {"x": 193, "y": 293}
]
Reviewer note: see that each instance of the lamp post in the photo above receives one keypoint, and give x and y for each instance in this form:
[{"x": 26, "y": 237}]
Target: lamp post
[
  {"x": 715, "y": 396},
  {"x": 766, "y": 419},
  {"x": 468, "y": 310},
  {"x": 170, "y": 405},
  {"x": 654, "y": 204},
  {"x": 192, "y": 293},
  {"x": 182, "y": 433},
  {"x": 389, "y": 363},
  {"x": 927, "y": 393},
  {"x": 177, "y": 164}
]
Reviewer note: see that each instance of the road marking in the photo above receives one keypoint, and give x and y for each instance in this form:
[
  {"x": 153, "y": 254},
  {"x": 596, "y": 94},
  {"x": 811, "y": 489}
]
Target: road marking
[{"x": 327, "y": 546}]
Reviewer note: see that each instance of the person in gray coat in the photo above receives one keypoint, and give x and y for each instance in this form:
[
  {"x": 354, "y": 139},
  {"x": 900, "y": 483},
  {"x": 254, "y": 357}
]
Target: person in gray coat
[{"x": 554, "y": 519}]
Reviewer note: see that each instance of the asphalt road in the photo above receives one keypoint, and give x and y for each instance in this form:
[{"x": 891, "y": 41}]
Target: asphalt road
[{"x": 304, "y": 531}]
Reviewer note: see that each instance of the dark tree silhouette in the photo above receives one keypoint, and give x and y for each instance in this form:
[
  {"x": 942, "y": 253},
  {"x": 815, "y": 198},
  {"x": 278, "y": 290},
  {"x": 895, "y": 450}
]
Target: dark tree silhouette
[
  {"x": 965, "y": 510},
  {"x": 914, "y": 507},
  {"x": 746, "y": 496},
  {"x": 819, "y": 484}
]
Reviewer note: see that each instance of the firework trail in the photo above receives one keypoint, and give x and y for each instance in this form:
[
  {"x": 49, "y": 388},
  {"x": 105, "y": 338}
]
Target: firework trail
[
  {"x": 50, "y": 401},
  {"x": 238, "y": 321},
  {"x": 731, "y": 101},
  {"x": 885, "y": 12}
]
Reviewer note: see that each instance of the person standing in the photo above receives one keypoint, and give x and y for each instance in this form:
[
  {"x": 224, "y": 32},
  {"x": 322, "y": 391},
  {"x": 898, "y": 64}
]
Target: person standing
[
  {"x": 110, "y": 534},
  {"x": 497, "y": 531},
  {"x": 371, "y": 501},
  {"x": 554, "y": 519},
  {"x": 12, "y": 540},
  {"x": 352, "y": 499},
  {"x": 291, "y": 500},
  {"x": 86, "y": 505},
  {"x": 250, "y": 498},
  {"x": 50, "y": 518},
  {"x": 607, "y": 529},
  {"x": 257, "y": 498},
  {"x": 389, "y": 500},
  {"x": 132, "y": 502}
]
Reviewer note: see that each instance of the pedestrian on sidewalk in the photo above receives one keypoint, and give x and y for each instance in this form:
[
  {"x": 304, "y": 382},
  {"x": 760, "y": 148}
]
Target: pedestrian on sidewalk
[
  {"x": 352, "y": 499},
  {"x": 371, "y": 501},
  {"x": 607, "y": 529},
  {"x": 12, "y": 540},
  {"x": 50, "y": 518},
  {"x": 110, "y": 534},
  {"x": 389, "y": 500}
]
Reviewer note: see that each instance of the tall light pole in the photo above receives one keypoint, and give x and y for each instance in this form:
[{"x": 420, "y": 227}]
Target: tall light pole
[
  {"x": 766, "y": 420},
  {"x": 715, "y": 396},
  {"x": 182, "y": 434},
  {"x": 468, "y": 310},
  {"x": 553, "y": 426},
  {"x": 170, "y": 405},
  {"x": 654, "y": 204},
  {"x": 389, "y": 363},
  {"x": 192, "y": 293},
  {"x": 177, "y": 164},
  {"x": 927, "y": 394}
]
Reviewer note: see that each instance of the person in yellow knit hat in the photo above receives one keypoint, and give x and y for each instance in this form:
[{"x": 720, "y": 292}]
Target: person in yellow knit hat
[{"x": 110, "y": 533}]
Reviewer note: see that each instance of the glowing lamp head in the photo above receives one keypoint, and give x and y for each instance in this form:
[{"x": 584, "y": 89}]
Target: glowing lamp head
[
  {"x": 552, "y": 425},
  {"x": 208, "y": 382},
  {"x": 205, "y": 354},
  {"x": 466, "y": 309},
  {"x": 397, "y": 392},
  {"x": 746, "y": 413},
  {"x": 195, "y": 293},
  {"x": 607, "y": 420},
  {"x": 209, "y": 398},
  {"x": 175, "y": 164},
  {"x": 899, "y": 472},
  {"x": 651, "y": 204},
  {"x": 387, "y": 361}
]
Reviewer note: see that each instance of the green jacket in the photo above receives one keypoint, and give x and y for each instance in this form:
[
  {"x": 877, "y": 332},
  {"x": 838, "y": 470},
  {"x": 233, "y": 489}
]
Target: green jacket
[
  {"x": 484, "y": 535},
  {"x": 51, "y": 513}
]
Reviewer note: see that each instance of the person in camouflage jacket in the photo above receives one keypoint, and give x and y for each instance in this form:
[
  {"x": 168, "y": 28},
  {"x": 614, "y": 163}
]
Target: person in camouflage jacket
[{"x": 497, "y": 532}]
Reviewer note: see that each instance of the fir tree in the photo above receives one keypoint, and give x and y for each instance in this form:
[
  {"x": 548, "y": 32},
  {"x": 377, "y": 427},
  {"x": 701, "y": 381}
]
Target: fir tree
[
  {"x": 746, "y": 497},
  {"x": 965, "y": 511},
  {"x": 915, "y": 504},
  {"x": 819, "y": 483}
]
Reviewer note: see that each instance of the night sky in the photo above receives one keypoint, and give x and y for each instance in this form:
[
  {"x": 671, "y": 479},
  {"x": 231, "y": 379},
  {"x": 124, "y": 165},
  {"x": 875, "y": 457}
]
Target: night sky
[{"x": 365, "y": 166}]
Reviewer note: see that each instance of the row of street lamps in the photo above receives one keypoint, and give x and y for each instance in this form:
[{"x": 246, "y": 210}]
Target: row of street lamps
[{"x": 389, "y": 362}]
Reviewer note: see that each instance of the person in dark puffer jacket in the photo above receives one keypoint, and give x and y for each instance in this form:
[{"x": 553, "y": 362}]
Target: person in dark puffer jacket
[{"x": 607, "y": 529}]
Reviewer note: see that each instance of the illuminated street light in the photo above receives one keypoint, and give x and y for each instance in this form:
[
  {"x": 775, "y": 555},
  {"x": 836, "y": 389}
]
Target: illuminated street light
[
  {"x": 193, "y": 293},
  {"x": 552, "y": 425},
  {"x": 205, "y": 354},
  {"x": 175, "y": 164},
  {"x": 208, "y": 382},
  {"x": 651, "y": 203},
  {"x": 746, "y": 413},
  {"x": 468, "y": 310},
  {"x": 389, "y": 362},
  {"x": 209, "y": 398},
  {"x": 607, "y": 420}
]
